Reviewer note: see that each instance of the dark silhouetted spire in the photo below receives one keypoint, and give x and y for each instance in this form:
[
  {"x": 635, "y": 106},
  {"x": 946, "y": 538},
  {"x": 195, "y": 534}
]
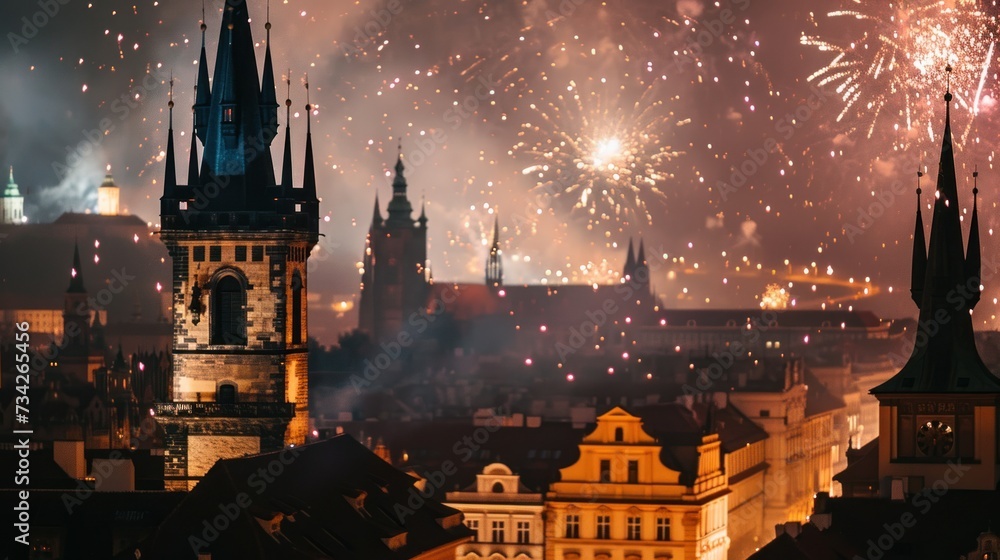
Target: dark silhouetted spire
[
  {"x": 170, "y": 181},
  {"x": 119, "y": 363},
  {"x": 286, "y": 161},
  {"x": 629, "y": 269},
  {"x": 268, "y": 94},
  {"x": 422, "y": 220},
  {"x": 400, "y": 209},
  {"x": 76, "y": 274},
  {"x": 640, "y": 259},
  {"x": 309, "y": 173},
  {"x": 494, "y": 265},
  {"x": 377, "y": 214},
  {"x": 919, "y": 266},
  {"x": 973, "y": 259},
  {"x": 203, "y": 98},
  {"x": 945, "y": 358}
]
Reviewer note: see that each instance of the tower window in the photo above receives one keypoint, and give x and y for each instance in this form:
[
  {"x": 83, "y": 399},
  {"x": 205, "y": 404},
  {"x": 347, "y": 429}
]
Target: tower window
[
  {"x": 226, "y": 394},
  {"x": 241, "y": 253},
  {"x": 215, "y": 253},
  {"x": 199, "y": 254},
  {"x": 296, "y": 309},
  {"x": 257, "y": 253},
  {"x": 497, "y": 488},
  {"x": 229, "y": 316}
]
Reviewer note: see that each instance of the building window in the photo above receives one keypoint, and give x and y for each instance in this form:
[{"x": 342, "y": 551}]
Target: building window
[
  {"x": 473, "y": 525},
  {"x": 663, "y": 528},
  {"x": 498, "y": 530},
  {"x": 226, "y": 394},
  {"x": 296, "y": 308},
  {"x": 633, "y": 528},
  {"x": 182, "y": 205},
  {"x": 604, "y": 526},
  {"x": 257, "y": 254},
  {"x": 765, "y": 413},
  {"x": 199, "y": 254},
  {"x": 619, "y": 434},
  {"x": 241, "y": 253},
  {"x": 229, "y": 317},
  {"x": 605, "y": 470},
  {"x": 215, "y": 253},
  {"x": 498, "y": 488},
  {"x": 523, "y": 532},
  {"x": 633, "y": 472},
  {"x": 572, "y": 526},
  {"x": 227, "y": 114}
]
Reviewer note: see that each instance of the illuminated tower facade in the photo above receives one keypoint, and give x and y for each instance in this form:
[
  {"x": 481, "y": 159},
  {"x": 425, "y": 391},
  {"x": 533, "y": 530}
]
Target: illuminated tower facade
[
  {"x": 494, "y": 263},
  {"x": 108, "y": 197},
  {"x": 394, "y": 281},
  {"x": 239, "y": 243}
]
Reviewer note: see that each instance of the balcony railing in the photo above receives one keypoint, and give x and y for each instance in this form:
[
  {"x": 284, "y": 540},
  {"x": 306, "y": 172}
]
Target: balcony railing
[{"x": 231, "y": 410}]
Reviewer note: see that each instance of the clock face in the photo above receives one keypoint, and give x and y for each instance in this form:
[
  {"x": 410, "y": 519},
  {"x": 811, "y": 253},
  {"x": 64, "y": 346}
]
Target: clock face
[{"x": 935, "y": 438}]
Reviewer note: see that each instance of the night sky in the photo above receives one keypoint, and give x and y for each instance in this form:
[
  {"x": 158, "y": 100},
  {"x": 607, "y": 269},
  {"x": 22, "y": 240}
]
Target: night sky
[{"x": 747, "y": 140}]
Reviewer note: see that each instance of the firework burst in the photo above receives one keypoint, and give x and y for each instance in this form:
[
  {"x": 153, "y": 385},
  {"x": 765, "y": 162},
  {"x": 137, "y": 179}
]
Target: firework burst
[
  {"x": 890, "y": 67},
  {"x": 605, "y": 150}
]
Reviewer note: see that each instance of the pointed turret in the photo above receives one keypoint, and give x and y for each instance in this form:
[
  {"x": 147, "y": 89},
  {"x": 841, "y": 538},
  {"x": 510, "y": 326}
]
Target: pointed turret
[
  {"x": 945, "y": 358},
  {"x": 918, "y": 269},
  {"x": 640, "y": 259},
  {"x": 400, "y": 209},
  {"x": 76, "y": 274},
  {"x": 11, "y": 190},
  {"x": 203, "y": 98},
  {"x": 629, "y": 269},
  {"x": 268, "y": 95},
  {"x": 973, "y": 258},
  {"x": 286, "y": 159},
  {"x": 119, "y": 363},
  {"x": 170, "y": 179},
  {"x": 193, "y": 160},
  {"x": 422, "y": 220},
  {"x": 376, "y": 215},
  {"x": 309, "y": 172},
  {"x": 11, "y": 202},
  {"x": 494, "y": 264}
]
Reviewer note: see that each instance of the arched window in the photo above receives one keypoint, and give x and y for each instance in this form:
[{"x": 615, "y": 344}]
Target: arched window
[
  {"x": 619, "y": 434},
  {"x": 226, "y": 394},
  {"x": 498, "y": 488},
  {"x": 296, "y": 308},
  {"x": 229, "y": 325}
]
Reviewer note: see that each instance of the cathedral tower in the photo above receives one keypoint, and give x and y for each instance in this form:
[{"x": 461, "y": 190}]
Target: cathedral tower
[
  {"x": 394, "y": 280},
  {"x": 239, "y": 243}
]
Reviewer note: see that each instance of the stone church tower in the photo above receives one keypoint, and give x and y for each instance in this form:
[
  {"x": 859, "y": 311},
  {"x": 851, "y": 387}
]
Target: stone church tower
[
  {"x": 394, "y": 281},
  {"x": 239, "y": 242}
]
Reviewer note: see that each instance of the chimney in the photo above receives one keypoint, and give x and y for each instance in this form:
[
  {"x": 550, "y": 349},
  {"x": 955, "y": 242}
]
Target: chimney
[
  {"x": 791, "y": 528},
  {"x": 69, "y": 456}
]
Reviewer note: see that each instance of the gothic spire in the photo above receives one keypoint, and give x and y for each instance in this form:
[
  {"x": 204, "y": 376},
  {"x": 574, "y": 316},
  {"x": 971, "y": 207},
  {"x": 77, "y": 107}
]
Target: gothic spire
[
  {"x": 422, "y": 220},
  {"x": 400, "y": 209},
  {"x": 170, "y": 181},
  {"x": 193, "y": 155},
  {"x": 11, "y": 190},
  {"x": 76, "y": 274},
  {"x": 945, "y": 358},
  {"x": 309, "y": 178},
  {"x": 286, "y": 162},
  {"x": 918, "y": 269},
  {"x": 494, "y": 264},
  {"x": 203, "y": 98},
  {"x": 629, "y": 269},
  {"x": 268, "y": 95},
  {"x": 377, "y": 214},
  {"x": 640, "y": 259},
  {"x": 973, "y": 259}
]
